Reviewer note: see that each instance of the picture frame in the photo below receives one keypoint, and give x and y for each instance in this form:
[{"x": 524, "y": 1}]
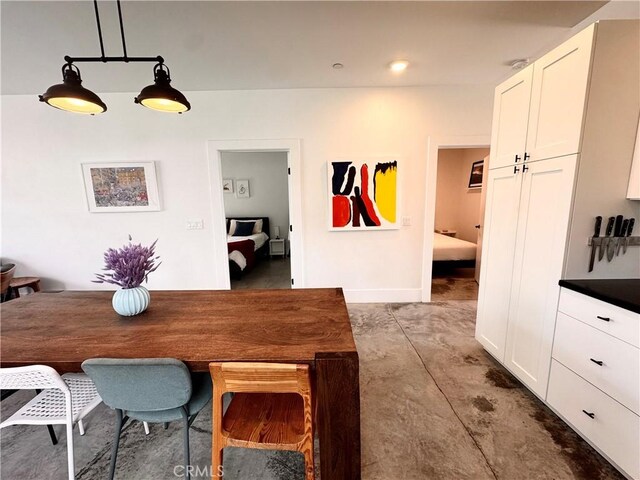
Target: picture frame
[
  {"x": 355, "y": 206},
  {"x": 227, "y": 185},
  {"x": 475, "y": 176},
  {"x": 242, "y": 189},
  {"x": 121, "y": 187}
]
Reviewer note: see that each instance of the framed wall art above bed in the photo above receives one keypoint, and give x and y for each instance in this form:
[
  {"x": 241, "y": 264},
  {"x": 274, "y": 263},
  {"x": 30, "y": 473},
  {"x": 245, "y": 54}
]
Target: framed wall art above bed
[
  {"x": 121, "y": 187},
  {"x": 475, "y": 177}
]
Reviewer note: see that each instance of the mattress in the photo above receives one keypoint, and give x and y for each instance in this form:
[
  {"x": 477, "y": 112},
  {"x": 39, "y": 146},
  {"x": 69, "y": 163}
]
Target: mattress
[
  {"x": 258, "y": 238},
  {"x": 447, "y": 248}
]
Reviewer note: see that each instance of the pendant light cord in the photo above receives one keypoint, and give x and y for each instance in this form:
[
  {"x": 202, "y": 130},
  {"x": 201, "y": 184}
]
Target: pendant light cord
[
  {"x": 124, "y": 44},
  {"x": 95, "y": 5}
]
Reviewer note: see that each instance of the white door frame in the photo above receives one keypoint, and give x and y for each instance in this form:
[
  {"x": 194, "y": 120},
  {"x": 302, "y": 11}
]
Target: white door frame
[
  {"x": 294, "y": 162},
  {"x": 433, "y": 145}
]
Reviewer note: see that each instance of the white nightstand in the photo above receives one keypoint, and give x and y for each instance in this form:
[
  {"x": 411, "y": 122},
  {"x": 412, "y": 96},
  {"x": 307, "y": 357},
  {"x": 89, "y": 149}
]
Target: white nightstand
[{"x": 276, "y": 247}]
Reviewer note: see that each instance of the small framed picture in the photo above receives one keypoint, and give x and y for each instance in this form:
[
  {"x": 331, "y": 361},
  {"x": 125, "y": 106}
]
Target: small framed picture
[
  {"x": 121, "y": 187},
  {"x": 475, "y": 178},
  {"x": 242, "y": 189},
  {"x": 227, "y": 185}
]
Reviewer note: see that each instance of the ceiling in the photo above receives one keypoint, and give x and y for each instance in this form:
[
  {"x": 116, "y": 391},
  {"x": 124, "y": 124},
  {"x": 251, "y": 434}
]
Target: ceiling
[{"x": 264, "y": 45}]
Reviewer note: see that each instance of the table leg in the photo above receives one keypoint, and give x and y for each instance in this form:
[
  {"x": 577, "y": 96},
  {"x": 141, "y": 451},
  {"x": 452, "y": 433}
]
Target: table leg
[{"x": 338, "y": 397}]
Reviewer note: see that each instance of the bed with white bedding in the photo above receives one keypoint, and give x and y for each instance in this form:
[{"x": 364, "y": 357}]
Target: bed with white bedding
[
  {"x": 451, "y": 249},
  {"x": 259, "y": 239},
  {"x": 246, "y": 250}
]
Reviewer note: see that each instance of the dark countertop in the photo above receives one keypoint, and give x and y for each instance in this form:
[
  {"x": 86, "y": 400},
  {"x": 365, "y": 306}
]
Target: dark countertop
[{"x": 624, "y": 293}]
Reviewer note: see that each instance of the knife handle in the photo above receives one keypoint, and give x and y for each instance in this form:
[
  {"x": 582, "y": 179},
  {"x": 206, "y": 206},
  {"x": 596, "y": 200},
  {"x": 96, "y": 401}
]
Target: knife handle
[
  {"x": 625, "y": 225},
  {"x": 596, "y": 232},
  {"x": 609, "y": 226},
  {"x": 617, "y": 230},
  {"x": 632, "y": 221}
]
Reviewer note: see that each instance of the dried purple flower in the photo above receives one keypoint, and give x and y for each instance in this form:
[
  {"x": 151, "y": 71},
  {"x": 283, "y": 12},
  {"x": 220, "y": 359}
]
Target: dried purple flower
[{"x": 130, "y": 265}]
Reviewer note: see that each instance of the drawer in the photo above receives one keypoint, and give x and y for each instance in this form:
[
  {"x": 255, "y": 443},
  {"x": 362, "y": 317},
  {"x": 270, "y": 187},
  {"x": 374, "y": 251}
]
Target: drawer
[
  {"x": 577, "y": 344},
  {"x": 614, "y": 429},
  {"x": 621, "y": 323}
]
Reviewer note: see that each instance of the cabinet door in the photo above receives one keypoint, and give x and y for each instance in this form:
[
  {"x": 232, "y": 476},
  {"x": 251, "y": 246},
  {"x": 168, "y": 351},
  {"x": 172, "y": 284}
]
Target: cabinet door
[
  {"x": 499, "y": 238},
  {"x": 558, "y": 98},
  {"x": 510, "y": 116},
  {"x": 543, "y": 223}
]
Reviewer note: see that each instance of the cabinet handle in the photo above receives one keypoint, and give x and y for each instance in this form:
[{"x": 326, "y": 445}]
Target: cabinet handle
[
  {"x": 526, "y": 156},
  {"x": 597, "y": 362},
  {"x": 515, "y": 170},
  {"x": 477, "y": 226},
  {"x": 525, "y": 168},
  {"x": 517, "y": 158},
  {"x": 589, "y": 414},
  {"x": 606, "y": 319}
]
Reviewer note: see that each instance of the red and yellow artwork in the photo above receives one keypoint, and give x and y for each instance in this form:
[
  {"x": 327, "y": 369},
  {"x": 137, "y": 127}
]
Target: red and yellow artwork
[{"x": 364, "y": 195}]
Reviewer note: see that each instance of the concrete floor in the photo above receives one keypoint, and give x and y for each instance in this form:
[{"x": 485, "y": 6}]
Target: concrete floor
[
  {"x": 268, "y": 273},
  {"x": 434, "y": 406}
]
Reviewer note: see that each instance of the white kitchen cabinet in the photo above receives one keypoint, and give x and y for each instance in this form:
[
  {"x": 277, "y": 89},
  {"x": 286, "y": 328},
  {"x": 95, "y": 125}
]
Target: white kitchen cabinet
[
  {"x": 498, "y": 247},
  {"x": 543, "y": 222},
  {"x": 558, "y": 98},
  {"x": 538, "y": 113},
  {"x": 510, "y": 117}
]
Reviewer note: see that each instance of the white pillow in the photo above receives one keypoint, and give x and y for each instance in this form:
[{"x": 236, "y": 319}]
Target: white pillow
[{"x": 257, "y": 227}]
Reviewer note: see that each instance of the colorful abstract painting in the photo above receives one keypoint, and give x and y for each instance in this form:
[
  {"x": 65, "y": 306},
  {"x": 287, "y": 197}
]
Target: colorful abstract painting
[{"x": 363, "y": 195}]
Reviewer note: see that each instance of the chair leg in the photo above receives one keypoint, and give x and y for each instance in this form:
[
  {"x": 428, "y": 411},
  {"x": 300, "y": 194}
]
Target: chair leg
[
  {"x": 52, "y": 434},
  {"x": 81, "y": 427},
  {"x": 309, "y": 468},
  {"x": 70, "y": 461},
  {"x": 216, "y": 462},
  {"x": 187, "y": 460},
  {"x": 116, "y": 441},
  {"x": 146, "y": 428},
  {"x": 165, "y": 425}
]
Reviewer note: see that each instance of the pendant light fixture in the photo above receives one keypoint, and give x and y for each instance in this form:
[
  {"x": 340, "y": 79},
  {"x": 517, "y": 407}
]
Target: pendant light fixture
[
  {"x": 71, "y": 96},
  {"x": 161, "y": 96}
]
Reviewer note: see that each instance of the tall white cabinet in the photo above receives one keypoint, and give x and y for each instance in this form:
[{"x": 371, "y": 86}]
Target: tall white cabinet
[
  {"x": 552, "y": 122},
  {"x": 547, "y": 140}
]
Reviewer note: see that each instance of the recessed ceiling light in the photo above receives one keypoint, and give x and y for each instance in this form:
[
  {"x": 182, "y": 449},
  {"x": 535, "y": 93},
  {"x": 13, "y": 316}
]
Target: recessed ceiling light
[
  {"x": 519, "y": 64},
  {"x": 337, "y": 66},
  {"x": 398, "y": 65}
]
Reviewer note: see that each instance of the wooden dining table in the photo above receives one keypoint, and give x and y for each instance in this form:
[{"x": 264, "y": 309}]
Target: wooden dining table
[{"x": 293, "y": 326}]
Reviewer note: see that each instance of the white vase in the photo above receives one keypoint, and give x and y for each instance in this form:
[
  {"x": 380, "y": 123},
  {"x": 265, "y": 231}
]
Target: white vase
[{"x": 131, "y": 301}]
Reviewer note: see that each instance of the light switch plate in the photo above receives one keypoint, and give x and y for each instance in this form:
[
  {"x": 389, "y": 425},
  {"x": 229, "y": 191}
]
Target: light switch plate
[
  {"x": 406, "y": 221},
  {"x": 196, "y": 224}
]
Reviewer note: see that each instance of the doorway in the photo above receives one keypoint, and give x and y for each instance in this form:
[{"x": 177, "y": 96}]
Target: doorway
[
  {"x": 256, "y": 205},
  {"x": 287, "y": 225},
  {"x": 459, "y": 213}
]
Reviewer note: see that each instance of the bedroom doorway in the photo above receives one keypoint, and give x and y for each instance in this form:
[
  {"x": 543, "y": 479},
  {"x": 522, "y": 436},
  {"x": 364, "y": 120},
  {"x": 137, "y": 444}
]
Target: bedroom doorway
[
  {"x": 289, "y": 247},
  {"x": 256, "y": 205},
  {"x": 459, "y": 213}
]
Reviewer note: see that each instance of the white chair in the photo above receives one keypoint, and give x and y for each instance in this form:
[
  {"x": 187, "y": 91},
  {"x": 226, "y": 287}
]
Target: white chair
[{"x": 64, "y": 400}]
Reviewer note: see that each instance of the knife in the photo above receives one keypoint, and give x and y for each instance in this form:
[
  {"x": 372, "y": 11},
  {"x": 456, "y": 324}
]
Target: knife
[
  {"x": 623, "y": 234},
  {"x": 629, "y": 230},
  {"x": 596, "y": 234},
  {"x": 611, "y": 249},
  {"x": 606, "y": 240}
]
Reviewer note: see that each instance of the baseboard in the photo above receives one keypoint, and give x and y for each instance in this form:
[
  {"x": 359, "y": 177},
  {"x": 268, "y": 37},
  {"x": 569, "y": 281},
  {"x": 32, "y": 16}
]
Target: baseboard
[{"x": 401, "y": 295}]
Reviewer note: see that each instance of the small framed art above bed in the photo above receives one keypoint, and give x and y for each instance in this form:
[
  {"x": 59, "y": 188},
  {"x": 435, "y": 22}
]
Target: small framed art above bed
[{"x": 247, "y": 243}]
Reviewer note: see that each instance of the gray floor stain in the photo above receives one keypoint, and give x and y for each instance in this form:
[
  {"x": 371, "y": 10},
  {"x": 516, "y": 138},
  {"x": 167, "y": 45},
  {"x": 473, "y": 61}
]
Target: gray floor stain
[
  {"x": 502, "y": 379},
  {"x": 483, "y": 404}
]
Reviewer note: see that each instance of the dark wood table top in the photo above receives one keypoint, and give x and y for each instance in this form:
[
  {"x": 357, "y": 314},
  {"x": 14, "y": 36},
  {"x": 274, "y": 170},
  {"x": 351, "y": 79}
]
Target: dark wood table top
[{"x": 64, "y": 329}]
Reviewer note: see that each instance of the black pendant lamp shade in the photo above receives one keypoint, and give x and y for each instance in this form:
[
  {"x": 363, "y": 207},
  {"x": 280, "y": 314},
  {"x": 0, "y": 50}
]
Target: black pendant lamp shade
[
  {"x": 71, "y": 96},
  {"x": 161, "y": 96}
]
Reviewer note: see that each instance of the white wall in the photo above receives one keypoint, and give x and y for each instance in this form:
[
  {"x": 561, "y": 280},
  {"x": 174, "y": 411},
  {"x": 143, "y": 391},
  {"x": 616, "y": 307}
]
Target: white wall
[
  {"x": 457, "y": 206},
  {"x": 48, "y": 231},
  {"x": 267, "y": 175}
]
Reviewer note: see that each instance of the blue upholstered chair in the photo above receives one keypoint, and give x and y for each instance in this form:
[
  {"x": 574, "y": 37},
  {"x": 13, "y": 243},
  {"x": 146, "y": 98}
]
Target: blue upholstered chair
[{"x": 154, "y": 390}]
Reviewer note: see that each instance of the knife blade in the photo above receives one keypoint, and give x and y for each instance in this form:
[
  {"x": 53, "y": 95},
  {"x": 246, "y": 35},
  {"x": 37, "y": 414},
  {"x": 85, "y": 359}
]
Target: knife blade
[
  {"x": 611, "y": 248},
  {"x": 607, "y": 239},
  {"x": 623, "y": 234},
  {"x": 632, "y": 221},
  {"x": 596, "y": 234}
]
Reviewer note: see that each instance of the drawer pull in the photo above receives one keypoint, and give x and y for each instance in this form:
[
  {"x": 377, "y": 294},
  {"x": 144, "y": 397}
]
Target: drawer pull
[
  {"x": 606, "y": 319},
  {"x": 597, "y": 362},
  {"x": 589, "y": 414}
]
